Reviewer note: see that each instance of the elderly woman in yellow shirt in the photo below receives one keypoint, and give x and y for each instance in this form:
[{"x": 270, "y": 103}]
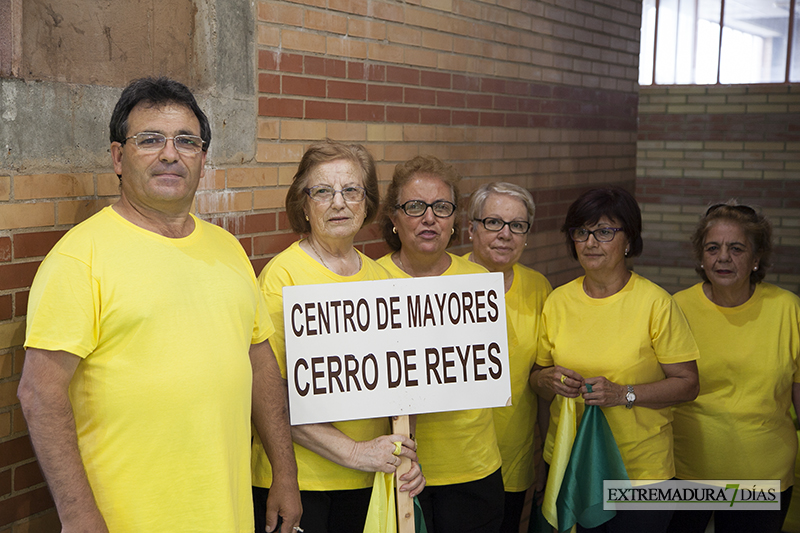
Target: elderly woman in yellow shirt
[
  {"x": 464, "y": 492},
  {"x": 748, "y": 332},
  {"x": 501, "y": 215},
  {"x": 623, "y": 335},
  {"x": 332, "y": 196}
]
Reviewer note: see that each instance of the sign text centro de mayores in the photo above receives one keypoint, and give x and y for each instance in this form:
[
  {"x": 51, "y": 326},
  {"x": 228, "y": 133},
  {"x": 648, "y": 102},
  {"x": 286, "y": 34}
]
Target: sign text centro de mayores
[{"x": 393, "y": 347}]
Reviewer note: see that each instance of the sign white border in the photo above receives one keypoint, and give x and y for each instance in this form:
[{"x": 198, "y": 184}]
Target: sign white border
[{"x": 394, "y": 347}]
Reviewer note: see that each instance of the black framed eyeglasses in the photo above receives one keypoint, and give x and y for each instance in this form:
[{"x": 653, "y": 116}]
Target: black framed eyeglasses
[
  {"x": 417, "y": 208},
  {"x": 600, "y": 234},
  {"x": 150, "y": 141},
  {"x": 744, "y": 209},
  {"x": 325, "y": 193},
  {"x": 520, "y": 227}
]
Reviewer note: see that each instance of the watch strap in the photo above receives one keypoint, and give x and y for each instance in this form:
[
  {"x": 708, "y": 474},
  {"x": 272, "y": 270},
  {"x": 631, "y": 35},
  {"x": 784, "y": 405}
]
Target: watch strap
[{"x": 630, "y": 397}]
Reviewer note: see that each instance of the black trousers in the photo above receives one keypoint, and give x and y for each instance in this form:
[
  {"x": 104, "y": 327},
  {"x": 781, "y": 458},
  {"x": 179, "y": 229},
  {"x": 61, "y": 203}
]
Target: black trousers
[
  {"x": 330, "y": 511},
  {"x": 472, "y": 507},
  {"x": 512, "y": 514},
  {"x": 733, "y": 521},
  {"x": 633, "y": 522}
]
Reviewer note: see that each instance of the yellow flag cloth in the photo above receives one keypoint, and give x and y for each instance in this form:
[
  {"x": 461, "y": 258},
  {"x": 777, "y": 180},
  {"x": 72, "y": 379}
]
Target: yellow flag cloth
[
  {"x": 382, "y": 516},
  {"x": 565, "y": 436}
]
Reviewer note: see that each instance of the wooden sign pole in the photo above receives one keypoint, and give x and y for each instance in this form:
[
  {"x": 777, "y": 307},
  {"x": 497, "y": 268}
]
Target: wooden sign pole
[{"x": 405, "y": 505}]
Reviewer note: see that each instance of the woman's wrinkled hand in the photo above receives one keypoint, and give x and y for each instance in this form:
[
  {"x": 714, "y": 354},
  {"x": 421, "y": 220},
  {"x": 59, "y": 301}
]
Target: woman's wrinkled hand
[
  {"x": 604, "y": 393},
  {"x": 561, "y": 380},
  {"x": 377, "y": 455},
  {"x": 414, "y": 480}
]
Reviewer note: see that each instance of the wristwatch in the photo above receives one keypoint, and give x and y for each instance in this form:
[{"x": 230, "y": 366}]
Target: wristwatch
[{"x": 631, "y": 397}]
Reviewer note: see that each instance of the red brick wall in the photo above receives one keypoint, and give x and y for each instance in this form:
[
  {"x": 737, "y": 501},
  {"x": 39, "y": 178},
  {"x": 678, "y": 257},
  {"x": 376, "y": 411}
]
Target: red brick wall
[
  {"x": 701, "y": 145},
  {"x": 541, "y": 94},
  {"x": 534, "y": 93}
]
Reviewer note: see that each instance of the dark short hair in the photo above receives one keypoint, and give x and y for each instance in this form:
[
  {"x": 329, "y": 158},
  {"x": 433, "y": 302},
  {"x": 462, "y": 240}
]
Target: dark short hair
[
  {"x": 609, "y": 202},
  {"x": 403, "y": 173},
  {"x": 155, "y": 92},
  {"x": 755, "y": 225},
  {"x": 326, "y": 152}
]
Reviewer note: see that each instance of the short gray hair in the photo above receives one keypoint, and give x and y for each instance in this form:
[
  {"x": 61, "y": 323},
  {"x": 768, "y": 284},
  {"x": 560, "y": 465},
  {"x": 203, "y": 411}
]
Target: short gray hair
[{"x": 478, "y": 198}]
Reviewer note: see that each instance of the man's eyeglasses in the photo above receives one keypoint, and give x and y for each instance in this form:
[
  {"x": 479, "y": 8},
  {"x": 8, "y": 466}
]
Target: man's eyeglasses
[
  {"x": 149, "y": 141},
  {"x": 744, "y": 209},
  {"x": 520, "y": 227},
  {"x": 600, "y": 234},
  {"x": 325, "y": 193},
  {"x": 417, "y": 208}
]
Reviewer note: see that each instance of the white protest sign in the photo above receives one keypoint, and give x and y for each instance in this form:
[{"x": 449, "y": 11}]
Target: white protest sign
[{"x": 395, "y": 347}]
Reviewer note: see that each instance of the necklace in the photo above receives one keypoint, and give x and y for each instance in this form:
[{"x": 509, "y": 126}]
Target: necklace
[
  {"x": 311, "y": 243},
  {"x": 359, "y": 262},
  {"x": 402, "y": 266},
  {"x": 318, "y": 255}
]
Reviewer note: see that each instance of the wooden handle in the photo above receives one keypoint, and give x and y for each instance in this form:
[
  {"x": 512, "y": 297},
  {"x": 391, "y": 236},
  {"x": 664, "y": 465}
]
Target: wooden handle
[{"x": 405, "y": 505}]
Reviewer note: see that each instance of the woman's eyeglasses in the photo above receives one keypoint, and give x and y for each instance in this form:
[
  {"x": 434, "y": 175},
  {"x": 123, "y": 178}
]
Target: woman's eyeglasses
[
  {"x": 325, "y": 194},
  {"x": 520, "y": 227},
  {"x": 600, "y": 234},
  {"x": 417, "y": 208}
]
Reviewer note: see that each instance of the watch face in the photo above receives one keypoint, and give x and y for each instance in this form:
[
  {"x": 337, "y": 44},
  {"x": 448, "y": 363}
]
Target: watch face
[{"x": 630, "y": 396}]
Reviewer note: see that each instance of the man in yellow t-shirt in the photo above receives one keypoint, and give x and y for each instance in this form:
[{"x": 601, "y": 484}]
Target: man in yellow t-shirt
[{"x": 146, "y": 339}]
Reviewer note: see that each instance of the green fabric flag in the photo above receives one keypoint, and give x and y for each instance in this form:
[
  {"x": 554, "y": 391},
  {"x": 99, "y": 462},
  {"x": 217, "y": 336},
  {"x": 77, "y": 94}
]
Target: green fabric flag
[
  {"x": 419, "y": 519},
  {"x": 594, "y": 457}
]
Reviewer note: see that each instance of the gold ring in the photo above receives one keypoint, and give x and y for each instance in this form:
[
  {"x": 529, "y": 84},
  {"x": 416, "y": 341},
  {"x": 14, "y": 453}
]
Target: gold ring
[
  {"x": 398, "y": 447},
  {"x": 563, "y": 378}
]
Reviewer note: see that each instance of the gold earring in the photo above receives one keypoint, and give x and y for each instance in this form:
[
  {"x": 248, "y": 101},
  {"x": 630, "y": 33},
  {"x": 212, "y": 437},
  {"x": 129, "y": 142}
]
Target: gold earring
[
  {"x": 394, "y": 230},
  {"x": 452, "y": 230},
  {"x": 306, "y": 218}
]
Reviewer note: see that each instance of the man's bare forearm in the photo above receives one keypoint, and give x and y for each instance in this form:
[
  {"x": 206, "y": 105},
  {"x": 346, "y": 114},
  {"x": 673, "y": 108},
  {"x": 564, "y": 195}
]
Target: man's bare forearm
[
  {"x": 271, "y": 410},
  {"x": 271, "y": 419},
  {"x": 44, "y": 396}
]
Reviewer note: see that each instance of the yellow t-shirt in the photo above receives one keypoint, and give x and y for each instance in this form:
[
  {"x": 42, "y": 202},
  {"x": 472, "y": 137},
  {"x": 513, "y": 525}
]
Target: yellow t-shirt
[
  {"x": 739, "y": 427},
  {"x": 514, "y": 424},
  {"x": 161, "y": 397},
  {"x": 625, "y": 337},
  {"x": 456, "y": 446},
  {"x": 292, "y": 267}
]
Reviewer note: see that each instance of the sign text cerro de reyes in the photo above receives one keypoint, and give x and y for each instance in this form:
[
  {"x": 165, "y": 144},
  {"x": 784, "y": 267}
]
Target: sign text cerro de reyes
[{"x": 393, "y": 347}]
